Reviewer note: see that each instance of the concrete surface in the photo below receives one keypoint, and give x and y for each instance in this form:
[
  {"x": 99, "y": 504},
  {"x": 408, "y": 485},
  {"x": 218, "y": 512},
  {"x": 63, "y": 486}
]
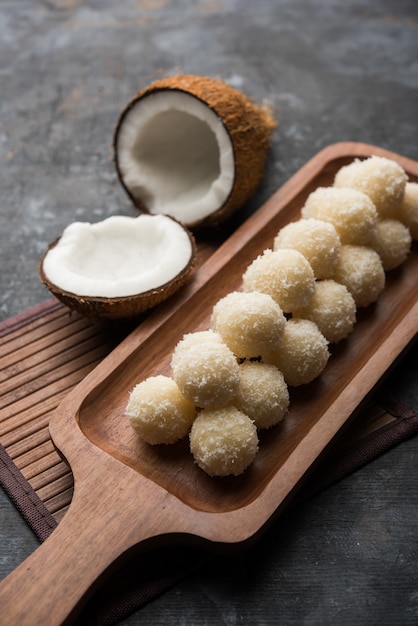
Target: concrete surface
[{"x": 333, "y": 71}]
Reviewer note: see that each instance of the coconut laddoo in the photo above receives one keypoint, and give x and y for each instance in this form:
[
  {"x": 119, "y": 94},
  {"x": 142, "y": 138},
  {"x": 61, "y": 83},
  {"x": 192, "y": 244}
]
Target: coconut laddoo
[
  {"x": 284, "y": 274},
  {"x": 392, "y": 241},
  {"x": 249, "y": 323},
  {"x": 382, "y": 179},
  {"x": 223, "y": 441},
  {"x": 205, "y": 369},
  {"x": 333, "y": 310},
  {"x": 360, "y": 269},
  {"x": 262, "y": 393},
  {"x": 158, "y": 411},
  {"x": 317, "y": 240},
  {"x": 302, "y": 352},
  {"x": 351, "y": 211},
  {"x": 407, "y": 212}
]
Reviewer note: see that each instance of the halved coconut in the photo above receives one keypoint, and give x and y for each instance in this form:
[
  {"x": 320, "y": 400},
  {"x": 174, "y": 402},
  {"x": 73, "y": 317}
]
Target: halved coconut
[
  {"x": 192, "y": 147},
  {"x": 119, "y": 267}
]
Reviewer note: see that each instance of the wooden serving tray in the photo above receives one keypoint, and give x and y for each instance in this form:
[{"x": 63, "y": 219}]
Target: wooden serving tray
[{"x": 128, "y": 495}]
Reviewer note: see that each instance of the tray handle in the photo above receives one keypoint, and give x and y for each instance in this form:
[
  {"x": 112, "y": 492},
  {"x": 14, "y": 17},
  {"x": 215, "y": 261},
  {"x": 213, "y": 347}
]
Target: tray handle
[{"x": 104, "y": 521}]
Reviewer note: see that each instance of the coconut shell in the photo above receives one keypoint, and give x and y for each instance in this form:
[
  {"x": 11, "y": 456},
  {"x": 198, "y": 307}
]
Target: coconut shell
[
  {"x": 249, "y": 127},
  {"x": 99, "y": 308}
]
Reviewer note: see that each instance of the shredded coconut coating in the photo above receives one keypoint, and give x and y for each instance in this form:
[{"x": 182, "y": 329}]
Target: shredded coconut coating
[
  {"x": 351, "y": 212},
  {"x": 158, "y": 412},
  {"x": 317, "y": 240},
  {"x": 320, "y": 270},
  {"x": 249, "y": 323},
  {"x": 332, "y": 308},
  {"x": 407, "y": 212},
  {"x": 382, "y": 179},
  {"x": 199, "y": 337},
  {"x": 360, "y": 269},
  {"x": 392, "y": 241},
  {"x": 263, "y": 394},
  {"x": 283, "y": 274},
  {"x": 224, "y": 441},
  {"x": 205, "y": 369},
  {"x": 302, "y": 353}
]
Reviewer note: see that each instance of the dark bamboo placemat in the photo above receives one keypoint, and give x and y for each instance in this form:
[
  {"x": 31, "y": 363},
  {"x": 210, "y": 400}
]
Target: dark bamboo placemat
[{"x": 44, "y": 353}]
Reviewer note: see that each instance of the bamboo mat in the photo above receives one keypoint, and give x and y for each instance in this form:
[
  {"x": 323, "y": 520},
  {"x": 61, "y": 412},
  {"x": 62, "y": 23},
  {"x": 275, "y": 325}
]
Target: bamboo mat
[{"x": 44, "y": 353}]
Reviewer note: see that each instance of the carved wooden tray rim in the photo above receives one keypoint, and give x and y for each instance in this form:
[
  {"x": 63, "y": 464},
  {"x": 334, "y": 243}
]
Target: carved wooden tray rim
[{"x": 164, "y": 465}]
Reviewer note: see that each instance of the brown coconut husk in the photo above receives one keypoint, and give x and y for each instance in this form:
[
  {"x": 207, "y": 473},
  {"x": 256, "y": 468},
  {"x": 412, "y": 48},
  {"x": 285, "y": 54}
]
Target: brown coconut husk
[{"x": 248, "y": 125}]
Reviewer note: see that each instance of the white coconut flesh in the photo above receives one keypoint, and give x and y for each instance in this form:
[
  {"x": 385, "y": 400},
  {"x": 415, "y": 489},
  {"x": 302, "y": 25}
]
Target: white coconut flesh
[
  {"x": 175, "y": 155},
  {"x": 119, "y": 256}
]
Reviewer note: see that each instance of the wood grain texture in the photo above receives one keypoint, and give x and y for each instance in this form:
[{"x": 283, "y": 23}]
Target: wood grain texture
[{"x": 127, "y": 494}]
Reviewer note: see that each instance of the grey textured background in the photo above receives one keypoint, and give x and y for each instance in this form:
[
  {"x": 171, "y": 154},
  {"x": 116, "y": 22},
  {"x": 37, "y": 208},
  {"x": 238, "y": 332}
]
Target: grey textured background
[{"x": 334, "y": 71}]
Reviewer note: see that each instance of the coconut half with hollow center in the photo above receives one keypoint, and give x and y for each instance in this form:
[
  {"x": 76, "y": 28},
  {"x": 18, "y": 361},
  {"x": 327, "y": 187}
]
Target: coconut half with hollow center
[
  {"x": 119, "y": 267},
  {"x": 192, "y": 147}
]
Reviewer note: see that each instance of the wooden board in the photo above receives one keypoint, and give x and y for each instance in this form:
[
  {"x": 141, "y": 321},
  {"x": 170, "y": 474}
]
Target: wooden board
[
  {"x": 31, "y": 339},
  {"x": 128, "y": 495},
  {"x": 317, "y": 411}
]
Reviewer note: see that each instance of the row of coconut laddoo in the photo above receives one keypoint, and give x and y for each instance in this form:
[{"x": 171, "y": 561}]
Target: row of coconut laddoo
[{"x": 297, "y": 297}]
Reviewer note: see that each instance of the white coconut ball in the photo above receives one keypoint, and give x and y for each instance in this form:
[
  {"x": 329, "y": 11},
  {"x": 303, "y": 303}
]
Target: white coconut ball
[
  {"x": 249, "y": 323},
  {"x": 284, "y": 274},
  {"x": 333, "y": 310},
  {"x": 407, "y": 212},
  {"x": 262, "y": 393},
  {"x": 382, "y": 179},
  {"x": 223, "y": 441},
  {"x": 351, "y": 211},
  {"x": 205, "y": 369},
  {"x": 302, "y": 352},
  {"x": 158, "y": 411},
  {"x": 392, "y": 241},
  {"x": 360, "y": 269},
  {"x": 317, "y": 240}
]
